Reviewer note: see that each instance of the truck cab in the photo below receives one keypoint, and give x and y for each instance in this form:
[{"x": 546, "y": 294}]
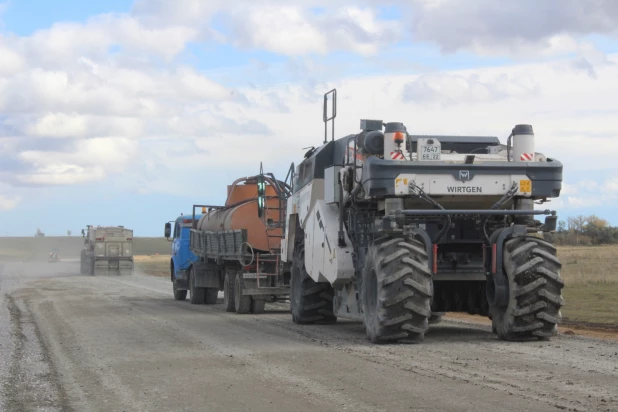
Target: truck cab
[{"x": 181, "y": 256}]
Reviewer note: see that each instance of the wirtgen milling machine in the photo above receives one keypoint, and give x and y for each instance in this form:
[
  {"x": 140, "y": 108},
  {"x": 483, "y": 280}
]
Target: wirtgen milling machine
[{"x": 395, "y": 229}]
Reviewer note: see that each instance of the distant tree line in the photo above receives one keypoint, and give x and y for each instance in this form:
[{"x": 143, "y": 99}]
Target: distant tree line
[{"x": 584, "y": 231}]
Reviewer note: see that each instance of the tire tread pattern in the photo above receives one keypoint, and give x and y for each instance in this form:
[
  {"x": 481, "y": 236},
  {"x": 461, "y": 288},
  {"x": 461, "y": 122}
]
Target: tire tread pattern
[
  {"x": 405, "y": 290},
  {"x": 535, "y": 287},
  {"x": 314, "y": 303}
]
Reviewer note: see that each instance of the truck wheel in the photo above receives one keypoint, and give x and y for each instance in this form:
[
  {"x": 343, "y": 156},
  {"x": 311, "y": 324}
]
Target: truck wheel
[
  {"x": 179, "y": 294},
  {"x": 257, "y": 305},
  {"x": 82, "y": 261},
  {"x": 242, "y": 303},
  {"x": 396, "y": 291},
  {"x": 211, "y": 295},
  {"x": 91, "y": 266},
  {"x": 535, "y": 286},
  {"x": 309, "y": 301},
  {"x": 197, "y": 296},
  {"x": 228, "y": 292}
]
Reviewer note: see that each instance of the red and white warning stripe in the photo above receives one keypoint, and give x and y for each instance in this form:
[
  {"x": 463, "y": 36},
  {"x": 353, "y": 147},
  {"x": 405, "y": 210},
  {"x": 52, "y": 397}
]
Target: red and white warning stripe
[
  {"x": 397, "y": 156},
  {"x": 526, "y": 157}
]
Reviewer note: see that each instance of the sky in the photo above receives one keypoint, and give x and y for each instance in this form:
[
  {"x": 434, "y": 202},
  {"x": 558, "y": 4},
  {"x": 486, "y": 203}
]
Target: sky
[{"x": 129, "y": 112}]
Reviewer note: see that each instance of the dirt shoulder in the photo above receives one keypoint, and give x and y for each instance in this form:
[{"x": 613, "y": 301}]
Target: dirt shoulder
[{"x": 570, "y": 328}]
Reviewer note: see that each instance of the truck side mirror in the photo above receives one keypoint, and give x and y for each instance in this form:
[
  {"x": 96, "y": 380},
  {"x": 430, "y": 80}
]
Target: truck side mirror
[
  {"x": 168, "y": 230},
  {"x": 261, "y": 188}
]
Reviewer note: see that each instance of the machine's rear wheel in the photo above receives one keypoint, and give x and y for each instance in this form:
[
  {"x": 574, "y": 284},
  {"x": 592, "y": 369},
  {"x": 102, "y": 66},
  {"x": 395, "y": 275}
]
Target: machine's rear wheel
[
  {"x": 309, "y": 301},
  {"x": 535, "y": 286},
  {"x": 179, "y": 294},
  {"x": 435, "y": 318},
  {"x": 228, "y": 292},
  {"x": 242, "y": 303},
  {"x": 396, "y": 291},
  {"x": 198, "y": 295}
]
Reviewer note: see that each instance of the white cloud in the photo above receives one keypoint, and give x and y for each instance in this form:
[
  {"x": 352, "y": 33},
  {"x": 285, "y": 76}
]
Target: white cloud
[
  {"x": 293, "y": 30},
  {"x": 89, "y": 160},
  {"x": 445, "y": 89},
  {"x": 8, "y": 202},
  {"x": 525, "y": 26},
  {"x": 73, "y": 125},
  {"x": 73, "y": 112}
]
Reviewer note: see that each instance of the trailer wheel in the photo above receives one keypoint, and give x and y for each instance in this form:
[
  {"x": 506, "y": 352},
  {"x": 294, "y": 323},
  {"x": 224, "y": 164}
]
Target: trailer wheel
[
  {"x": 258, "y": 305},
  {"x": 197, "y": 294},
  {"x": 535, "y": 287},
  {"x": 211, "y": 295},
  {"x": 228, "y": 292},
  {"x": 309, "y": 301},
  {"x": 178, "y": 294},
  {"x": 242, "y": 303},
  {"x": 82, "y": 262},
  {"x": 396, "y": 291}
]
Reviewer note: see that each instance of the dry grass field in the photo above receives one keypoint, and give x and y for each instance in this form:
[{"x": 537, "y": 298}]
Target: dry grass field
[
  {"x": 154, "y": 265},
  {"x": 591, "y": 284}
]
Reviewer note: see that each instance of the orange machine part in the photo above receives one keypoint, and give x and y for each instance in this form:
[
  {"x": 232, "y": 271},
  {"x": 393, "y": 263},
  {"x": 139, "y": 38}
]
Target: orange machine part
[{"x": 245, "y": 216}]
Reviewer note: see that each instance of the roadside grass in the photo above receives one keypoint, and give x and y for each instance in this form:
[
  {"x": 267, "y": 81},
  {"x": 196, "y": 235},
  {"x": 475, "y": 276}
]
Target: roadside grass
[
  {"x": 153, "y": 265},
  {"x": 590, "y": 274}
]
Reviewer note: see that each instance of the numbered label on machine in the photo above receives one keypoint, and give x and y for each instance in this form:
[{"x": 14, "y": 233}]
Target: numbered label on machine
[{"x": 429, "y": 149}]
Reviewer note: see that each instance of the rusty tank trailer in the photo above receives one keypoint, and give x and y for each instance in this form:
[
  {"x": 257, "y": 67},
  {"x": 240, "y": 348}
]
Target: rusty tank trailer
[{"x": 237, "y": 246}]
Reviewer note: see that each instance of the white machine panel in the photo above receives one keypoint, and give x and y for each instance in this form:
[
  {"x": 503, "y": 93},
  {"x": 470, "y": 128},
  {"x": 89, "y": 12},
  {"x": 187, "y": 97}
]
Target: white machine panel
[
  {"x": 481, "y": 185},
  {"x": 327, "y": 260}
]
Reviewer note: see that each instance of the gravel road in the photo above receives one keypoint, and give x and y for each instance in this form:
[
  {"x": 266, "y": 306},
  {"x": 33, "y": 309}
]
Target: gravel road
[{"x": 77, "y": 343}]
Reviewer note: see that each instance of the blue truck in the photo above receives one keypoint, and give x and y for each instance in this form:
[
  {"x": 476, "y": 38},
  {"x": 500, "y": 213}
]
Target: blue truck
[{"x": 182, "y": 257}]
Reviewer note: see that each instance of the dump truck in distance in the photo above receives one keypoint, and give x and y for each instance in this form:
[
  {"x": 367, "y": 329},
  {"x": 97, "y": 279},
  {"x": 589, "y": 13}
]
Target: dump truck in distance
[
  {"x": 108, "y": 250},
  {"x": 235, "y": 248}
]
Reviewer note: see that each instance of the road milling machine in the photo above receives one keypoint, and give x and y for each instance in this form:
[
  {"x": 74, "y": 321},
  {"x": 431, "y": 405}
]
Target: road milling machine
[{"x": 394, "y": 229}]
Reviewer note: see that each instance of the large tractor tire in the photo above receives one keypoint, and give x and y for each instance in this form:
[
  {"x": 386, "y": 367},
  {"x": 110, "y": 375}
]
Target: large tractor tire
[
  {"x": 198, "y": 295},
  {"x": 396, "y": 291},
  {"x": 228, "y": 291},
  {"x": 310, "y": 301},
  {"x": 535, "y": 285}
]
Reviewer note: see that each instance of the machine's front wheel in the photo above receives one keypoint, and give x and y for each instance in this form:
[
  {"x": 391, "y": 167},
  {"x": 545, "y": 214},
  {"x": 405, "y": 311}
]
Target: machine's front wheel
[
  {"x": 534, "y": 291},
  {"x": 309, "y": 301},
  {"x": 396, "y": 291}
]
